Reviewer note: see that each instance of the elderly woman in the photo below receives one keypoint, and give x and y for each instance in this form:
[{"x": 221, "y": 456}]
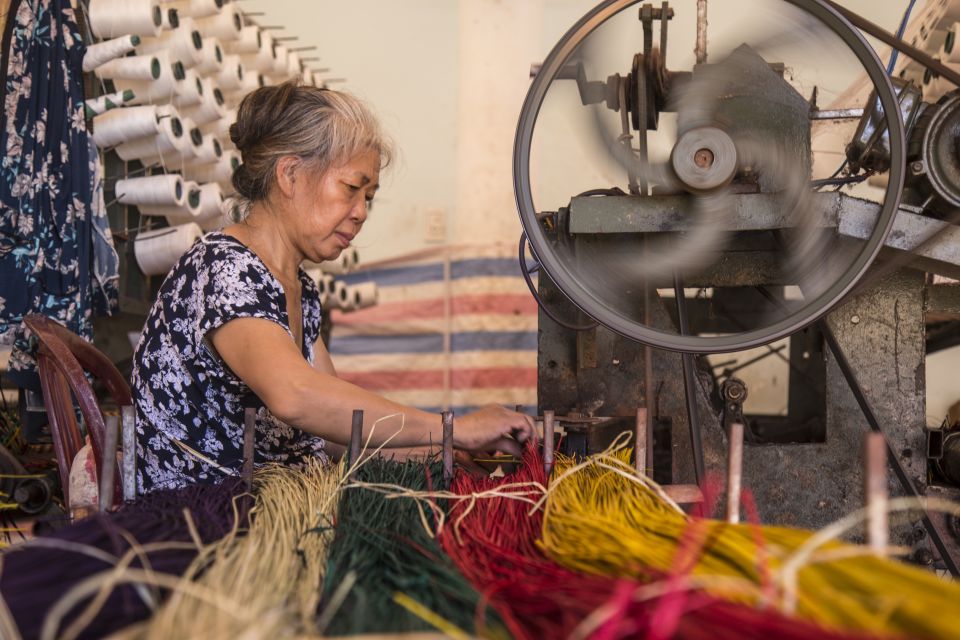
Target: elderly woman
[{"x": 237, "y": 322}]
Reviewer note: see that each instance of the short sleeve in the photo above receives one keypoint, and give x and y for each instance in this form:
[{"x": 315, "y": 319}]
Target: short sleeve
[{"x": 237, "y": 286}]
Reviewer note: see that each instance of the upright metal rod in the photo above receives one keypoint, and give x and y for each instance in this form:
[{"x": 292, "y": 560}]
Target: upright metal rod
[
  {"x": 876, "y": 493},
  {"x": 640, "y": 441},
  {"x": 108, "y": 469},
  {"x": 851, "y": 377},
  {"x": 734, "y": 471},
  {"x": 356, "y": 438},
  {"x": 648, "y": 391},
  {"x": 690, "y": 385},
  {"x": 129, "y": 479},
  {"x": 447, "y": 417},
  {"x": 701, "y": 46},
  {"x": 548, "y": 435}
]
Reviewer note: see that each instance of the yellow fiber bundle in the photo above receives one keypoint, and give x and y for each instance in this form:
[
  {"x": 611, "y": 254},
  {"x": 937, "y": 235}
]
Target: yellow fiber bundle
[
  {"x": 267, "y": 583},
  {"x": 601, "y": 517}
]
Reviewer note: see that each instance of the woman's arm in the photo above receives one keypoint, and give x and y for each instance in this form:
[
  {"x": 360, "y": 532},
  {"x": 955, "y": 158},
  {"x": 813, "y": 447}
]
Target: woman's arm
[{"x": 261, "y": 353}]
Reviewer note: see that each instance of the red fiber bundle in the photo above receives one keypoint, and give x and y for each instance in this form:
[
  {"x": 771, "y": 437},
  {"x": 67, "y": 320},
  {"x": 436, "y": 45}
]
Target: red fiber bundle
[{"x": 495, "y": 548}]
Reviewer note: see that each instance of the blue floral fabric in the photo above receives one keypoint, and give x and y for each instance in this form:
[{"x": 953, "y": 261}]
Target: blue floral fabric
[
  {"x": 189, "y": 404},
  {"x": 50, "y": 206}
]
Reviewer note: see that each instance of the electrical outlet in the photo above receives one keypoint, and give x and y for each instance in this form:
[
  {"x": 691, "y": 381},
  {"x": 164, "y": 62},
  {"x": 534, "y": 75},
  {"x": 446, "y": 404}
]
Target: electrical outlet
[{"x": 436, "y": 225}]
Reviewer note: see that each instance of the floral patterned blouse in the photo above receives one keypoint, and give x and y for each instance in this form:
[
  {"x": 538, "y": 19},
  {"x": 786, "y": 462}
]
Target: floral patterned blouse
[{"x": 189, "y": 404}]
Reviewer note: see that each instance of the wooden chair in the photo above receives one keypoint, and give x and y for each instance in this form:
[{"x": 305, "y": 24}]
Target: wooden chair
[{"x": 62, "y": 359}]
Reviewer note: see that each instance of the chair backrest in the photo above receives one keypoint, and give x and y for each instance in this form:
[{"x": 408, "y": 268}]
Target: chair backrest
[{"x": 62, "y": 358}]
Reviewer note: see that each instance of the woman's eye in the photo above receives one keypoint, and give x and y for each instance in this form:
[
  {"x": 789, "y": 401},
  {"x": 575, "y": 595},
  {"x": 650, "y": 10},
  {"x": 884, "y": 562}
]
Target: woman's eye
[{"x": 352, "y": 187}]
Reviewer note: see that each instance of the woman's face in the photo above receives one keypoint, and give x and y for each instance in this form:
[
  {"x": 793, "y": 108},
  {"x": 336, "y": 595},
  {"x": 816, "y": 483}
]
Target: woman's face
[{"x": 330, "y": 209}]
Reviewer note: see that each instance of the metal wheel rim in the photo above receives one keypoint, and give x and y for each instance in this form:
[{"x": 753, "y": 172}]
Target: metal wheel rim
[{"x": 567, "y": 280}]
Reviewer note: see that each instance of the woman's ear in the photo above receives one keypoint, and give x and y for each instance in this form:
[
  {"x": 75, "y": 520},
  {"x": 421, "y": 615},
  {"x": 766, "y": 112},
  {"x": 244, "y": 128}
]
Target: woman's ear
[{"x": 287, "y": 171}]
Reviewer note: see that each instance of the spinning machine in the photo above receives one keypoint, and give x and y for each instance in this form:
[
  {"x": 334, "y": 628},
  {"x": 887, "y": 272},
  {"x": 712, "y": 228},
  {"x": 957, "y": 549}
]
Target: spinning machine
[{"x": 677, "y": 204}]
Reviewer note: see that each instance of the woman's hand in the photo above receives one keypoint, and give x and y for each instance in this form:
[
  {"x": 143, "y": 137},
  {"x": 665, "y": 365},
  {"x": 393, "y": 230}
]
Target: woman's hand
[{"x": 493, "y": 428}]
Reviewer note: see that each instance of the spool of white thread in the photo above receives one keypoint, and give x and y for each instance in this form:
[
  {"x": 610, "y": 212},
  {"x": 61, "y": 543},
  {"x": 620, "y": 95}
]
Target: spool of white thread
[
  {"x": 101, "y": 104},
  {"x": 353, "y": 256},
  {"x": 183, "y": 43},
  {"x": 188, "y": 212},
  {"x": 211, "y": 57},
  {"x": 364, "y": 294},
  {"x": 141, "y": 68},
  {"x": 261, "y": 60},
  {"x": 325, "y": 284},
  {"x": 281, "y": 56},
  {"x": 339, "y": 266},
  {"x": 209, "y": 150},
  {"x": 950, "y": 51},
  {"x": 211, "y": 201},
  {"x": 162, "y": 90},
  {"x": 219, "y": 172},
  {"x": 306, "y": 77},
  {"x": 121, "y": 125},
  {"x": 158, "y": 250},
  {"x": 190, "y": 90},
  {"x": 249, "y": 40},
  {"x": 230, "y": 77},
  {"x": 170, "y": 18},
  {"x": 167, "y": 145},
  {"x": 101, "y": 52},
  {"x": 294, "y": 67},
  {"x": 151, "y": 190},
  {"x": 197, "y": 8},
  {"x": 220, "y": 129},
  {"x": 340, "y": 296},
  {"x": 226, "y": 25},
  {"x": 211, "y": 108},
  {"x": 252, "y": 80},
  {"x": 116, "y": 18}
]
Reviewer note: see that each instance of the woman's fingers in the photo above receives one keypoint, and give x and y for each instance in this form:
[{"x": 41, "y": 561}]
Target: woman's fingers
[{"x": 508, "y": 446}]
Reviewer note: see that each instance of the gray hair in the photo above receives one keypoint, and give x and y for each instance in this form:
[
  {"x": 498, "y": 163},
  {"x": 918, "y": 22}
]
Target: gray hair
[{"x": 321, "y": 126}]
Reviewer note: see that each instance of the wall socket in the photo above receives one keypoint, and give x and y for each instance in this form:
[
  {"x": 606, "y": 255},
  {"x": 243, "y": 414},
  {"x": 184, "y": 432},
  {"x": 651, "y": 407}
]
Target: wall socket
[{"x": 435, "y": 221}]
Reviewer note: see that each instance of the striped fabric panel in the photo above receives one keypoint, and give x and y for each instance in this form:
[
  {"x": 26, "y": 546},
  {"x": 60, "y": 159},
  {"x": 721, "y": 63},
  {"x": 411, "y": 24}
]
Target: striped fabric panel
[{"x": 456, "y": 328}]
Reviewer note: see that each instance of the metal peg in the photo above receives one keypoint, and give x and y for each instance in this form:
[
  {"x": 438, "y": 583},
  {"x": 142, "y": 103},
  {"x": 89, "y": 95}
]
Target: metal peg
[
  {"x": 356, "y": 438},
  {"x": 129, "y": 476},
  {"x": 876, "y": 492},
  {"x": 548, "y": 430},
  {"x": 108, "y": 468},
  {"x": 447, "y": 418},
  {"x": 734, "y": 471},
  {"x": 640, "y": 441},
  {"x": 249, "y": 440}
]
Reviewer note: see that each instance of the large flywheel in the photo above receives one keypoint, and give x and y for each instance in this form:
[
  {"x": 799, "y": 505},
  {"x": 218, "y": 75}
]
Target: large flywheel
[{"x": 636, "y": 179}]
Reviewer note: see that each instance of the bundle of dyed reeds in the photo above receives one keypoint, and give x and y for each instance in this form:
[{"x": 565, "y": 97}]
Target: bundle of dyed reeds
[
  {"x": 89, "y": 579},
  {"x": 494, "y": 540},
  {"x": 265, "y": 583},
  {"x": 385, "y": 572},
  {"x": 603, "y": 518}
]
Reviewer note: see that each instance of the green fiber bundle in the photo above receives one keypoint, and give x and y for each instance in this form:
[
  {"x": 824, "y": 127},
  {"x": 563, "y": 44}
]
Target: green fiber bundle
[{"x": 382, "y": 551}]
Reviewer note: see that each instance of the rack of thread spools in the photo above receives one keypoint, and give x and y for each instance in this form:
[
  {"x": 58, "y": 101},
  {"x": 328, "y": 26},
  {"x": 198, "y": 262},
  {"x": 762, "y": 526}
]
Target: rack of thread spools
[
  {"x": 937, "y": 33},
  {"x": 336, "y": 293},
  {"x": 164, "y": 80}
]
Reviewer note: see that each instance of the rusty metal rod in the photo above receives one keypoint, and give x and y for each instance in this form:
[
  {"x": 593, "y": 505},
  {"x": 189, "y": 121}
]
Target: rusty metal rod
[
  {"x": 700, "y": 50},
  {"x": 548, "y": 435},
  {"x": 640, "y": 441},
  {"x": 249, "y": 439},
  {"x": 356, "y": 438},
  {"x": 447, "y": 418},
  {"x": 108, "y": 464},
  {"x": 876, "y": 493},
  {"x": 734, "y": 471},
  {"x": 129, "y": 471}
]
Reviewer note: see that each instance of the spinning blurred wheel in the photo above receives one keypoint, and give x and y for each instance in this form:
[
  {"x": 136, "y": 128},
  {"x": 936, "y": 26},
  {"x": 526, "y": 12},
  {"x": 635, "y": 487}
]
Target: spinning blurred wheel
[{"x": 739, "y": 143}]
